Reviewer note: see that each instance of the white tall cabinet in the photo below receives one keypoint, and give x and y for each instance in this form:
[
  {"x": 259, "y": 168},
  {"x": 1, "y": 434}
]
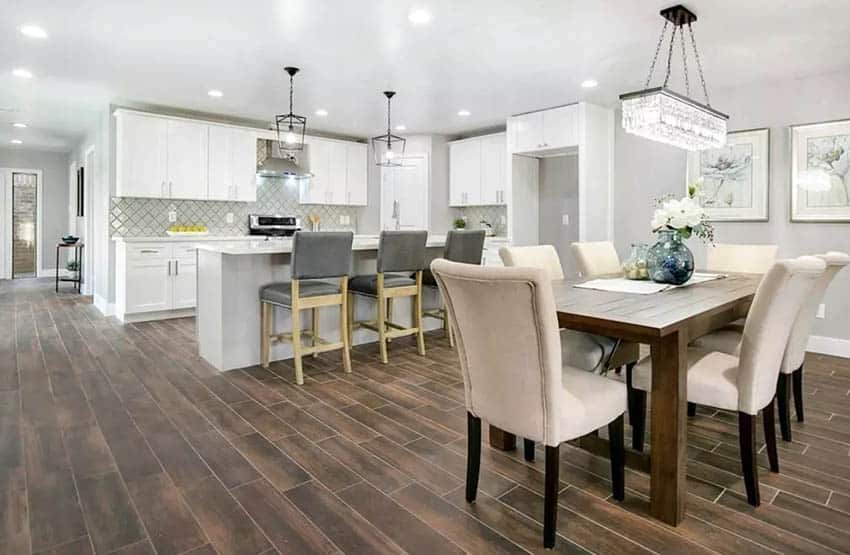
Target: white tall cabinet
[
  {"x": 338, "y": 171},
  {"x": 232, "y": 164},
  {"x": 477, "y": 171}
]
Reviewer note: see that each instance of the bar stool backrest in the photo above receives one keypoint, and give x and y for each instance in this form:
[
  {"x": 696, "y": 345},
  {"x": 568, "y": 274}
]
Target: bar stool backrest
[
  {"x": 401, "y": 251},
  {"x": 321, "y": 254},
  {"x": 464, "y": 246}
]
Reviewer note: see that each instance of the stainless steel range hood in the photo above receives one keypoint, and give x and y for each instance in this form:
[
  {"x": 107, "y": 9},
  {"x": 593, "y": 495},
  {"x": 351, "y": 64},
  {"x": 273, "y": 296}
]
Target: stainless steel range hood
[{"x": 272, "y": 162}]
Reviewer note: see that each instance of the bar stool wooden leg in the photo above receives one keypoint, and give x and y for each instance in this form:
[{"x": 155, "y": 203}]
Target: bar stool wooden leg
[
  {"x": 344, "y": 328},
  {"x": 296, "y": 335},
  {"x": 389, "y": 315},
  {"x": 417, "y": 312},
  {"x": 382, "y": 323},
  {"x": 350, "y": 329},
  {"x": 265, "y": 332},
  {"x": 315, "y": 330}
]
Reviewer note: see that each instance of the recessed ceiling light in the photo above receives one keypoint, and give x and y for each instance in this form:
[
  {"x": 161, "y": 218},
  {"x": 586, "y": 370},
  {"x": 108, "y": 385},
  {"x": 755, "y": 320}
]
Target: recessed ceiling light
[
  {"x": 401, "y": 127},
  {"x": 16, "y": 142},
  {"x": 19, "y": 125},
  {"x": 215, "y": 93},
  {"x": 419, "y": 16},
  {"x": 22, "y": 73},
  {"x": 33, "y": 31},
  {"x": 589, "y": 83},
  {"x": 322, "y": 113},
  {"x": 464, "y": 113}
]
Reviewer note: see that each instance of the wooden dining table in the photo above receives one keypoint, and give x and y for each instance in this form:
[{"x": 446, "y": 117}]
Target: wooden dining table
[{"x": 667, "y": 322}]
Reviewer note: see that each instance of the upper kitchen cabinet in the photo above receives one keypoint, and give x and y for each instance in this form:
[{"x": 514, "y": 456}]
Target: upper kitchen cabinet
[
  {"x": 187, "y": 158},
  {"x": 338, "y": 171},
  {"x": 477, "y": 168},
  {"x": 232, "y": 164},
  {"x": 547, "y": 130}
]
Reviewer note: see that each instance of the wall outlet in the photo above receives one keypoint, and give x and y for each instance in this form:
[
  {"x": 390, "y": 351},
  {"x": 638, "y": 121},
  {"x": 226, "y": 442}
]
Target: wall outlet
[
  {"x": 172, "y": 216},
  {"x": 503, "y": 220},
  {"x": 342, "y": 219},
  {"x": 821, "y": 311},
  {"x": 229, "y": 217},
  {"x": 565, "y": 219}
]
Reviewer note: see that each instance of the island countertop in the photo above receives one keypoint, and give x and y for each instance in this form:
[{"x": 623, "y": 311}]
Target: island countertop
[{"x": 284, "y": 245}]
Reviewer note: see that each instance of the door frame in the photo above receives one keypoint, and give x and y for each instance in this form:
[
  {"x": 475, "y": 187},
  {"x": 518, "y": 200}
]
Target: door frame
[
  {"x": 7, "y": 218},
  {"x": 88, "y": 217},
  {"x": 427, "y": 158}
]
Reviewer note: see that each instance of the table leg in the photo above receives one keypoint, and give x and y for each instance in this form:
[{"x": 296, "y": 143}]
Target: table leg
[
  {"x": 77, "y": 253},
  {"x": 500, "y": 439},
  {"x": 669, "y": 428},
  {"x": 57, "y": 268}
]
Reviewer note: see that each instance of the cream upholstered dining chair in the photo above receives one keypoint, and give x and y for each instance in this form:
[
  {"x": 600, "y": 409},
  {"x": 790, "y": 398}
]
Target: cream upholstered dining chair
[
  {"x": 512, "y": 372},
  {"x": 747, "y": 259},
  {"x": 596, "y": 258},
  {"x": 728, "y": 340},
  {"x": 746, "y": 382}
]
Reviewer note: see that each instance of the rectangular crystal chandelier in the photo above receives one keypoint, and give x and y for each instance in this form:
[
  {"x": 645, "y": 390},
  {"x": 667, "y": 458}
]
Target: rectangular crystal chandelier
[
  {"x": 662, "y": 115},
  {"x": 658, "y": 113}
]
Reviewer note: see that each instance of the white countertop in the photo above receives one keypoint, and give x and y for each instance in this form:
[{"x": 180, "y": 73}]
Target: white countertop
[
  {"x": 282, "y": 246},
  {"x": 184, "y": 239}
]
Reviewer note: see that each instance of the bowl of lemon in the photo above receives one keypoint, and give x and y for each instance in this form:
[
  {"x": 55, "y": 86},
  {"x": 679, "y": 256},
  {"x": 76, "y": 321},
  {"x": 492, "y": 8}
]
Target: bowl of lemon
[{"x": 187, "y": 231}]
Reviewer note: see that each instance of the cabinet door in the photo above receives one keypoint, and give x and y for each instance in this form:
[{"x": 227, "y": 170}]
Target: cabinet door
[
  {"x": 187, "y": 159},
  {"x": 314, "y": 189},
  {"x": 184, "y": 288},
  {"x": 243, "y": 164},
  {"x": 493, "y": 151},
  {"x": 560, "y": 127},
  {"x": 148, "y": 285},
  {"x": 465, "y": 173},
  {"x": 528, "y": 130},
  {"x": 336, "y": 191},
  {"x": 220, "y": 166},
  {"x": 356, "y": 170},
  {"x": 141, "y": 156}
]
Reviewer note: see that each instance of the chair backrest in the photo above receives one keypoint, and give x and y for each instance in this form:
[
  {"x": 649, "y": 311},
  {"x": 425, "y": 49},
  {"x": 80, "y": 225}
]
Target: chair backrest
[
  {"x": 748, "y": 259},
  {"x": 464, "y": 245},
  {"x": 401, "y": 251},
  {"x": 795, "y": 351},
  {"x": 543, "y": 257},
  {"x": 596, "y": 258},
  {"x": 510, "y": 352},
  {"x": 777, "y": 302},
  {"x": 321, "y": 254}
]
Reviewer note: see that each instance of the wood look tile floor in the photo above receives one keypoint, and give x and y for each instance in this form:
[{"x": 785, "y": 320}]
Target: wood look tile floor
[{"x": 119, "y": 439}]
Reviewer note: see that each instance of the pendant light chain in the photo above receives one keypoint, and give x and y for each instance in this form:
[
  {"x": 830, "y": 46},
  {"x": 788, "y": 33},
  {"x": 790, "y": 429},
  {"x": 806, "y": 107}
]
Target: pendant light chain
[
  {"x": 685, "y": 64},
  {"x": 291, "y": 88},
  {"x": 389, "y": 107},
  {"x": 670, "y": 55},
  {"x": 655, "y": 57},
  {"x": 699, "y": 65}
]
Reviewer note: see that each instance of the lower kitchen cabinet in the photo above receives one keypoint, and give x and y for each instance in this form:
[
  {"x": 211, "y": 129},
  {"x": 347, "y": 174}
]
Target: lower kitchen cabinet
[{"x": 154, "y": 280}]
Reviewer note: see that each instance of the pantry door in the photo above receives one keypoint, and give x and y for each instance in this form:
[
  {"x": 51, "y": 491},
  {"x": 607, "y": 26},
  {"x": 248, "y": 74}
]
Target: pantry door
[{"x": 405, "y": 201}]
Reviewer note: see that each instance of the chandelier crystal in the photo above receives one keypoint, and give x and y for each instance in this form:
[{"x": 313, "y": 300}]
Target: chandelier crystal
[
  {"x": 659, "y": 114},
  {"x": 389, "y": 148}
]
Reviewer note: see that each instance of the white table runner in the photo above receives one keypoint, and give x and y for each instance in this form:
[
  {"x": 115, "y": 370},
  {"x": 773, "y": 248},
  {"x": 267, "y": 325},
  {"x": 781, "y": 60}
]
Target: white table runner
[{"x": 623, "y": 285}]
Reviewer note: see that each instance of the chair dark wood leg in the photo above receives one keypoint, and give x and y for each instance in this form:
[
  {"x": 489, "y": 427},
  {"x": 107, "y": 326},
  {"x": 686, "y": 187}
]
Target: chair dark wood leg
[
  {"x": 618, "y": 370},
  {"x": 473, "y": 455},
  {"x": 749, "y": 465},
  {"x": 636, "y": 400},
  {"x": 618, "y": 458},
  {"x": 550, "y": 499},
  {"x": 528, "y": 448},
  {"x": 770, "y": 436},
  {"x": 798, "y": 392},
  {"x": 783, "y": 397},
  {"x": 692, "y": 409}
]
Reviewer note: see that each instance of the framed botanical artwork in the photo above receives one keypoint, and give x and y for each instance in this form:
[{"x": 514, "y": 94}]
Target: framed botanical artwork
[
  {"x": 736, "y": 177},
  {"x": 820, "y": 172}
]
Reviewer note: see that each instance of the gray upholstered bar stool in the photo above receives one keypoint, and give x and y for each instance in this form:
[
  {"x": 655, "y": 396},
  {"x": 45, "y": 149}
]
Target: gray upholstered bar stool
[
  {"x": 465, "y": 246},
  {"x": 399, "y": 254},
  {"x": 316, "y": 257}
]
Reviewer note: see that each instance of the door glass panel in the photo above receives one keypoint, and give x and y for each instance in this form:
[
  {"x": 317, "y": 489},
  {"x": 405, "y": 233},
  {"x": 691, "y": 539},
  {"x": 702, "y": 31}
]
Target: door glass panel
[{"x": 24, "y": 233}]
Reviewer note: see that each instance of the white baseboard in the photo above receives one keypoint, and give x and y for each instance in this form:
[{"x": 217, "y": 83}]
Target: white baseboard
[
  {"x": 829, "y": 346},
  {"x": 105, "y": 308},
  {"x": 51, "y": 272}
]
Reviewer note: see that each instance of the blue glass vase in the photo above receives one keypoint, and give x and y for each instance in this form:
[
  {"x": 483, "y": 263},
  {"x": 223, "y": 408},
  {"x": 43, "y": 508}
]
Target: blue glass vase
[{"x": 669, "y": 259}]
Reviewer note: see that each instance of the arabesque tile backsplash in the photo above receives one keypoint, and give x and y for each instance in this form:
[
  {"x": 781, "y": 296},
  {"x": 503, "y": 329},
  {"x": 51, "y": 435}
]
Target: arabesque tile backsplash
[{"x": 143, "y": 217}]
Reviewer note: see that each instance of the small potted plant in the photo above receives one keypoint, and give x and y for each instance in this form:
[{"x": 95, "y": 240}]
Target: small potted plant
[
  {"x": 72, "y": 266},
  {"x": 460, "y": 223}
]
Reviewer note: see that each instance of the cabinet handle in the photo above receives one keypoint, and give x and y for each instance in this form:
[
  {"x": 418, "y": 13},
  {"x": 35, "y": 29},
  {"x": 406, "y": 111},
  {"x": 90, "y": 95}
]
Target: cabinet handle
[
  {"x": 169, "y": 189},
  {"x": 148, "y": 251},
  {"x": 162, "y": 189},
  {"x": 176, "y": 268},
  {"x": 169, "y": 267}
]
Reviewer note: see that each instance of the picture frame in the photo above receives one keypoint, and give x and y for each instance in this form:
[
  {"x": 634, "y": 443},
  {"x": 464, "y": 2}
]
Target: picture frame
[
  {"x": 80, "y": 192},
  {"x": 820, "y": 172},
  {"x": 736, "y": 177}
]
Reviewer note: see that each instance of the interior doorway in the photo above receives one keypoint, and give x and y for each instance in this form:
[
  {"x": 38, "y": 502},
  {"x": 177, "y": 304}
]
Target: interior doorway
[
  {"x": 21, "y": 192},
  {"x": 404, "y": 194}
]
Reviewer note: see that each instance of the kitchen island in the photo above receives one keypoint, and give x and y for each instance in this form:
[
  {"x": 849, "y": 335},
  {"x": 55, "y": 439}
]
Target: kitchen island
[{"x": 230, "y": 276}]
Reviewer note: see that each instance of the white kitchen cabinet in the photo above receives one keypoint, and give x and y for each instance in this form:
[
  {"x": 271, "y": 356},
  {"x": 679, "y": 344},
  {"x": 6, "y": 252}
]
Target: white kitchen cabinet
[
  {"x": 465, "y": 173},
  {"x": 232, "y": 164},
  {"x": 148, "y": 285},
  {"x": 493, "y": 169},
  {"x": 187, "y": 158},
  {"x": 355, "y": 177},
  {"x": 546, "y": 130},
  {"x": 184, "y": 291},
  {"x": 335, "y": 190},
  {"x": 315, "y": 189},
  {"x": 141, "y": 151}
]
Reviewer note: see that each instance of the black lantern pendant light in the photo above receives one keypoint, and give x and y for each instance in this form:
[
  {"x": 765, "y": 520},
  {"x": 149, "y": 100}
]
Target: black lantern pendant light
[
  {"x": 388, "y": 148},
  {"x": 291, "y": 127}
]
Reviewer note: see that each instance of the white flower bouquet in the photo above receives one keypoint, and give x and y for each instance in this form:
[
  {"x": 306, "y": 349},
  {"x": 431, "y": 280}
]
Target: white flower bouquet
[{"x": 684, "y": 216}]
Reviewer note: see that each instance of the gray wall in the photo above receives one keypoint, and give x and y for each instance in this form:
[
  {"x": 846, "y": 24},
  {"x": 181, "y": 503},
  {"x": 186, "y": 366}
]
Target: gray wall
[
  {"x": 559, "y": 196},
  {"x": 645, "y": 170},
  {"x": 54, "y": 218}
]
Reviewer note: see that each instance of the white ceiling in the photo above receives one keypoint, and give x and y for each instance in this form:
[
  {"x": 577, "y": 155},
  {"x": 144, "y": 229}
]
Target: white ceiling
[{"x": 492, "y": 57}]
